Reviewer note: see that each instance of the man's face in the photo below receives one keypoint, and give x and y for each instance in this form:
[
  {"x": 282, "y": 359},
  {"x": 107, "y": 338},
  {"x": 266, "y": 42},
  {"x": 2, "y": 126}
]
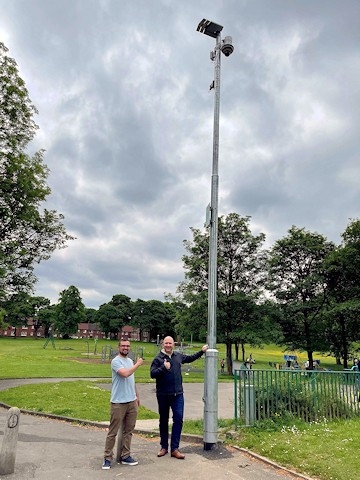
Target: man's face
[
  {"x": 168, "y": 344},
  {"x": 124, "y": 348}
]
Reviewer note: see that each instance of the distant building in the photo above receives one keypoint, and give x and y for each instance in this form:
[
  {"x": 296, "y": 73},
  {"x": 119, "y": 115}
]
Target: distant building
[
  {"x": 133, "y": 333},
  {"x": 92, "y": 330},
  {"x": 27, "y": 330},
  {"x": 85, "y": 330},
  {"x": 89, "y": 330}
]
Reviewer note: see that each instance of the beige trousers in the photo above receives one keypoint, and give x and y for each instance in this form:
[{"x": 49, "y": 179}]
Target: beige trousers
[{"x": 124, "y": 414}]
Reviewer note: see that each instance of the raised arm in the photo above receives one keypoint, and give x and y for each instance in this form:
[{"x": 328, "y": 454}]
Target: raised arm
[
  {"x": 126, "y": 372},
  {"x": 195, "y": 356}
]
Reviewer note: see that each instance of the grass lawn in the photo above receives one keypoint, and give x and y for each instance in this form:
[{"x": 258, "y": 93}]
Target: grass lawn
[
  {"x": 26, "y": 358},
  {"x": 80, "y": 399},
  {"x": 326, "y": 450}
]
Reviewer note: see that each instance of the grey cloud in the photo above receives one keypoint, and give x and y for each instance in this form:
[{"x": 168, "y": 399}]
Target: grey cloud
[{"x": 126, "y": 118}]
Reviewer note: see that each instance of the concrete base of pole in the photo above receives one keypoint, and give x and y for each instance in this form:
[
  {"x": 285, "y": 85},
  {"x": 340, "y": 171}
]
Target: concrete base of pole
[
  {"x": 8, "y": 449},
  {"x": 211, "y": 399}
]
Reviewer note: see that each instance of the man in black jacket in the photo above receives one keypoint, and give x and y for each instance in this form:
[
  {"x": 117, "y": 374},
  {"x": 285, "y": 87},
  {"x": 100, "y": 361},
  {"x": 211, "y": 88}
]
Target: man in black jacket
[{"x": 166, "y": 369}]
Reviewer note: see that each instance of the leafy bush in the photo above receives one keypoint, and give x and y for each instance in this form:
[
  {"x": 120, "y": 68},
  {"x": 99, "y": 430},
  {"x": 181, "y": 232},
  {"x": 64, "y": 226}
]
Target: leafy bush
[{"x": 304, "y": 400}]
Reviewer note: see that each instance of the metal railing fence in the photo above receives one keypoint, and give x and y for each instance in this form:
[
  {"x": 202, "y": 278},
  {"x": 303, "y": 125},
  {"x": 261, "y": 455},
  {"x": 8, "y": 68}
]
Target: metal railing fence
[{"x": 307, "y": 395}]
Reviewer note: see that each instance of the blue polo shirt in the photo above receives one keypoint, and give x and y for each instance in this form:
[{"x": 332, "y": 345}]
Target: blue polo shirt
[{"x": 123, "y": 389}]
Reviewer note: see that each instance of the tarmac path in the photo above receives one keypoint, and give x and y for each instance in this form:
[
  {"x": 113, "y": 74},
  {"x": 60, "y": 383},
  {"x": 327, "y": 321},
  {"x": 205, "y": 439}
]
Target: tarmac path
[
  {"x": 53, "y": 449},
  {"x": 193, "y": 394}
]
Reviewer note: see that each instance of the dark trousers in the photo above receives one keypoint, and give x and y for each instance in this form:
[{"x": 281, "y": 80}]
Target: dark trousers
[{"x": 176, "y": 403}]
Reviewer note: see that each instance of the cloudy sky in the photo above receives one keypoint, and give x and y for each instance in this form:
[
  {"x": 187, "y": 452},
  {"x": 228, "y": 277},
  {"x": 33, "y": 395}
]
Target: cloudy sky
[{"x": 126, "y": 119}]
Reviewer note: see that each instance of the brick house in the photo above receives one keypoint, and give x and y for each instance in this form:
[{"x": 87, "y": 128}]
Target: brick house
[
  {"x": 27, "y": 330},
  {"x": 85, "y": 330}
]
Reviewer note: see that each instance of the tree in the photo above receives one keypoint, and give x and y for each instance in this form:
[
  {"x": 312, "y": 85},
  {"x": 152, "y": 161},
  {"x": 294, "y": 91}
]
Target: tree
[
  {"x": 246, "y": 322},
  {"x": 236, "y": 321},
  {"x": 70, "y": 311},
  {"x": 114, "y": 315},
  {"x": 190, "y": 321},
  {"x": 109, "y": 319},
  {"x": 342, "y": 269},
  {"x": 28, "y": 233},
  {"x": 47, "y": 318},
  {"x": 18, "y": 310},
  {"x": 38, "y": 304},
  {"x": 140, "y": 317},
  {"x": 153, "y": 316},
  {"x": 296, "y": 279},
  {"x": 241, "y": 270},
  {"x": 91, "y": 315},
  {"x": 3, "y": 324},
  {"x": 163, "y": 315},
  {"x": 122, "y": 303}
]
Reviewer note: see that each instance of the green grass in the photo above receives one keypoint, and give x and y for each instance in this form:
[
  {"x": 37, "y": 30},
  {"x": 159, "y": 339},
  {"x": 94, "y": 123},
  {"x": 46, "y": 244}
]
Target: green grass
[
  {"x": 26, "y": 358},
  {"x": 196, "y": 427},
  {"x": 80, "y": 399},
  {"x": 327, "y": 450}
]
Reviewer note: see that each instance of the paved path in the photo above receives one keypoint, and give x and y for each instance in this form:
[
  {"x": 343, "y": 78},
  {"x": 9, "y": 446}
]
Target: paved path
[
  {"x": 56, "y": 450},
  {"x": 51, "y": 449},
  {"x": 193, "y": 392}
]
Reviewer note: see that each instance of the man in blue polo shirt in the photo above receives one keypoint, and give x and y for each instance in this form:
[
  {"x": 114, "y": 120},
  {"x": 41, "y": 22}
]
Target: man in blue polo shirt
[{"x": 124, "y": 405}]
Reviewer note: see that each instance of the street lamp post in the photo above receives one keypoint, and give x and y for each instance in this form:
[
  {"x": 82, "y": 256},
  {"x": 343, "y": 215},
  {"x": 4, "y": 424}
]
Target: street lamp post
[{"x": 211, "y": 361}]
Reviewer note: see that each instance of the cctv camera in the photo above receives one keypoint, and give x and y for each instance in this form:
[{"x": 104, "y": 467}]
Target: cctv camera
[{"x": 227, "y": 47}]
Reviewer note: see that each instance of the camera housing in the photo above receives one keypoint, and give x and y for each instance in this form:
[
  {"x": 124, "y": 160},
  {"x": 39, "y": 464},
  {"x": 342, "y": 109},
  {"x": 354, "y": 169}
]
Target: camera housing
[{"x": 227, "y": 47}]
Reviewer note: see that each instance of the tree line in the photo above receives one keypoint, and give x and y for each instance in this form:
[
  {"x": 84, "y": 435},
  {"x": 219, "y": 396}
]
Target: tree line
[
  {"x": 303, "y": 293},
  {"x": 153, "y": 318}
]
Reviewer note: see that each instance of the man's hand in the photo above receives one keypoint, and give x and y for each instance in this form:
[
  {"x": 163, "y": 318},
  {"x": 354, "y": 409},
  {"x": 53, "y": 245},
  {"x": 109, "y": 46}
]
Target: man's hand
[
  {"x": 204, "y": 348},
  {"x": 139, "y": 361},
  {"x": 167, "y": 364}
]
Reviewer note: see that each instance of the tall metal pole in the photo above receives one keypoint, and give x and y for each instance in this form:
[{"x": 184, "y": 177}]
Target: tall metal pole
[
  {"x": 211, "y": 362},
  {"x": 213, "y": 30}
]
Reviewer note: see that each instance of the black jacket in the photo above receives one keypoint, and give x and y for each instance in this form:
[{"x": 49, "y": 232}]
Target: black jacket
[{"x": 169, "y": 382}]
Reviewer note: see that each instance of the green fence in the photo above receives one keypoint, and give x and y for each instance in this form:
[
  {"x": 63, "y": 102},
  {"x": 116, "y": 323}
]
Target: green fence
[{"x": 308, "y": 395}]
